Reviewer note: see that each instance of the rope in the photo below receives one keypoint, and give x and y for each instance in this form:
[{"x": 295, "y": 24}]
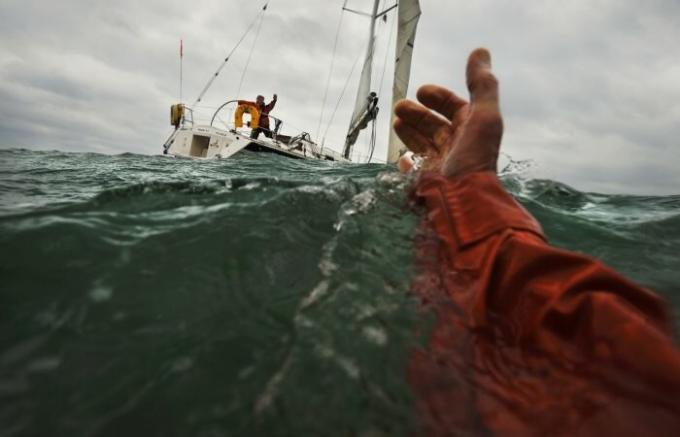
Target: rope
[
  {"x": 250, "y": 55},
  {"x": 373, "y": 139},
  {"x": 330, "y": 73},
  {"x": 219, "y": 70}
]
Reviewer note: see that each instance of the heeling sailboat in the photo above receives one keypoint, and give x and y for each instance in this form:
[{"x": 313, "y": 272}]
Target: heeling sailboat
[{"x": 193, "y": 140}]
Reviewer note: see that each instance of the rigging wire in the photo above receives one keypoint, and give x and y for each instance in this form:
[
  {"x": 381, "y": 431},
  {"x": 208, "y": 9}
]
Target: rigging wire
[
  {"x": 342, "y": 94},
  {"x": 330, "y": 73},
  {"x": 387, "y": 52},
  {"x": 250, "y": 55},
  {"x": 219, "y": 70}
]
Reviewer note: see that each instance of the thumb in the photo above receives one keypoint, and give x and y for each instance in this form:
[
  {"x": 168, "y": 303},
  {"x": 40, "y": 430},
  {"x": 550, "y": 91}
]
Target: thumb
[{"x": 481, "y": 82}]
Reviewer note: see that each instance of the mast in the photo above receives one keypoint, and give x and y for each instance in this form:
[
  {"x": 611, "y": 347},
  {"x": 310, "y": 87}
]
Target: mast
[
  {"x": 181, "y": 70},
  {"x": 365, "y": 108},
  {"x": 409, "y": 15}
]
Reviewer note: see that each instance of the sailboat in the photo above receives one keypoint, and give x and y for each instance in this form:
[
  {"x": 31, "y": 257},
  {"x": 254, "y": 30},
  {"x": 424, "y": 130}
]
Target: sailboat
[{"x": 208, "y": 141}]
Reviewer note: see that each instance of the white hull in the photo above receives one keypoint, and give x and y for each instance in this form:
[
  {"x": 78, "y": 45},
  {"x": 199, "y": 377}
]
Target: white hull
[{"x": 208, "y": 142}]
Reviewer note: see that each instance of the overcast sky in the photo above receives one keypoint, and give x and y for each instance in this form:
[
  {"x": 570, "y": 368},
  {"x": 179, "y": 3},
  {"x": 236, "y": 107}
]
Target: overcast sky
[{"x": 590, "y": 88}]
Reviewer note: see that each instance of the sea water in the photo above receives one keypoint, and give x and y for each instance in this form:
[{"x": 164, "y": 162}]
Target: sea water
[{"x": 145, "y": 295}]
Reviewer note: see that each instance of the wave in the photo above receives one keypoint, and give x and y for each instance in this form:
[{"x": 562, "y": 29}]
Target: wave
[{"x": 243, "y": 290}]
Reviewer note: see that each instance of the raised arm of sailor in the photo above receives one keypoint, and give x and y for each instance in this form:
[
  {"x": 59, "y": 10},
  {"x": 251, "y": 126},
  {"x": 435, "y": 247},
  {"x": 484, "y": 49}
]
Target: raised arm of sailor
[{"x": 271, "y": 104}]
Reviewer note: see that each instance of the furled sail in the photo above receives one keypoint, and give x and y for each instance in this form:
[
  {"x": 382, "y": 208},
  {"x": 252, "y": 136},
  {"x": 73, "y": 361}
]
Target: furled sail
[
  {"x": 409, "y": 14},
  {"x": 365, "y": 108}
]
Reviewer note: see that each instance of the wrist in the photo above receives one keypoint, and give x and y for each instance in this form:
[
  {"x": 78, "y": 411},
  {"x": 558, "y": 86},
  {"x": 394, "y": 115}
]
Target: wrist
[{"x": 472, "y": 206}]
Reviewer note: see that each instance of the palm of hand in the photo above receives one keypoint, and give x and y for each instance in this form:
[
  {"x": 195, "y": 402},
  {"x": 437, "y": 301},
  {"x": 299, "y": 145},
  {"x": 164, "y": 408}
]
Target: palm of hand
[{"x": 464, "y": 137}]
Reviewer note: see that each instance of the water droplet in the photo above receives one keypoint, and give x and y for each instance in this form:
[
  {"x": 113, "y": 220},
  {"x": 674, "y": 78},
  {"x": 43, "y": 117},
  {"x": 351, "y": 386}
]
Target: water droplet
[
  {"x": 101, "y": 294},
  {"x": 182, "y": 364},
  {"x": 375, "y": 335},
  {"x": 45, "y": 364}
]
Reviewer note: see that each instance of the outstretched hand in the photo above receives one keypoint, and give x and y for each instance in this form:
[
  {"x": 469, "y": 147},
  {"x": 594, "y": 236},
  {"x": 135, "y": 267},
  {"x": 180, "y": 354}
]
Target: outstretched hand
[{"x": 466, "y": 136}]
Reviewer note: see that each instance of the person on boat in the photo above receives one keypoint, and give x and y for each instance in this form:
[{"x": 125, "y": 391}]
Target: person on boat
[
  {"x": 265, "y": 109},
  {"x": 370, "y": 114},
  {"x": 528, "y": 339}
]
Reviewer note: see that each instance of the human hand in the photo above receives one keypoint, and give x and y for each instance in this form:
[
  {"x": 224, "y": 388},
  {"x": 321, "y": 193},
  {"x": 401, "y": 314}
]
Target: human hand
[
  {"x": 275, "y": 97},
  {"x": 466, "y": 138}
]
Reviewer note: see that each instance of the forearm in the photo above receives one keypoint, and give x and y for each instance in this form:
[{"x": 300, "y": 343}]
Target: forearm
[{"x": 555, "y": 300}]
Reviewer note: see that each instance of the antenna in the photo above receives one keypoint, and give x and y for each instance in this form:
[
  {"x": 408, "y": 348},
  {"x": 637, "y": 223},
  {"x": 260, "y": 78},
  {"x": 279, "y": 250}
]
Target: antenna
[{"x": 181, "y": 62}]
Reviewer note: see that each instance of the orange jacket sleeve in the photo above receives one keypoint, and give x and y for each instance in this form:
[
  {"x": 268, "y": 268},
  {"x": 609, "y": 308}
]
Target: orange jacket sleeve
[{"x": 534, "y": 332}]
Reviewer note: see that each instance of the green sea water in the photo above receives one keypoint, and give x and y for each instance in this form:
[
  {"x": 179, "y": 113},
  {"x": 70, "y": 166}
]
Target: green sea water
[{"x": 144, "y": 295}]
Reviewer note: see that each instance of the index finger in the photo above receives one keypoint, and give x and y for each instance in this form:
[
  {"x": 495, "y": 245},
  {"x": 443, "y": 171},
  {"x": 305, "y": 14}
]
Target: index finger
[{"x": 440, "y": 100}]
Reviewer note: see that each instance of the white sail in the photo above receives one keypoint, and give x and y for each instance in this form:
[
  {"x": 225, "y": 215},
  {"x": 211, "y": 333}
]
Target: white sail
[
  {"x": 363, "y": 101},
  {"x": 409, "y": 15}
]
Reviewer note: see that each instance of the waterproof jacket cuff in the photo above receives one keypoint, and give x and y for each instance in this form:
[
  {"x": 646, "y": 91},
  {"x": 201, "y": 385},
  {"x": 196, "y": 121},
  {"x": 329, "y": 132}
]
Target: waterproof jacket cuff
[{"x": 470, "y": 208}]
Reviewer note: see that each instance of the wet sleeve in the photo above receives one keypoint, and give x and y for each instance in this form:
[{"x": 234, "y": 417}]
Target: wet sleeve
[
  {"x": 559, "y": 301},
  {"x": 270, "y": 106}
]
